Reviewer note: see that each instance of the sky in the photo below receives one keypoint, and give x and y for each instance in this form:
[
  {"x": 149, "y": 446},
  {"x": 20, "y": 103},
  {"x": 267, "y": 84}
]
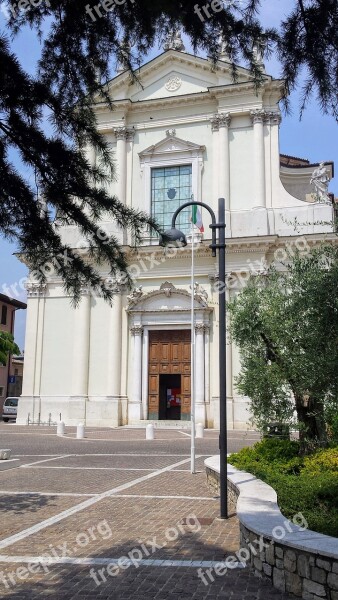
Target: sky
[{"x": 314, "y": 137}]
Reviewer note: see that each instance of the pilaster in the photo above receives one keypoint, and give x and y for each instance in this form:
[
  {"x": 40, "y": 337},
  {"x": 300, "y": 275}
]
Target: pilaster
[
  {"x": 257, "y": 118},
  {"x": 135, "y": 401},
  {"x": 81, "y": 345}
]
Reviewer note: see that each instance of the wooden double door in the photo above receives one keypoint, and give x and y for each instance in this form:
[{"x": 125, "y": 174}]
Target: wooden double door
[{"x": 169, "y": 375}]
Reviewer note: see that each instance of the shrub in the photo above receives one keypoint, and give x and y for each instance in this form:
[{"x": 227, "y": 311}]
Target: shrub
[
  {"x": 303, "y": 484},
  {"x": 326, "y": 460}
]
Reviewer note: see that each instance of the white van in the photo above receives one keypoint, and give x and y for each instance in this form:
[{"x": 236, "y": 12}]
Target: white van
[{"x": 10, "y": 409}]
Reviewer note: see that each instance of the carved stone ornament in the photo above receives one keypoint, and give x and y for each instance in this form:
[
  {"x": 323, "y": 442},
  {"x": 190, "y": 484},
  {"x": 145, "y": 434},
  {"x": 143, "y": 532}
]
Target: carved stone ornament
[
  {"x": 35, "y": 289},
  {"x": 170, "y": 133},
  {"x": 213, "y": 277},
  {"x": 200, "y": 294},
  {"x": 320, "y": 181},
  {"x": 174, "y": 42},
  {"x": 223, "y": 49},
  {"x": 214, "y": 123},
  {"x": 137, "y": 330},
  {"x": 258, "y": 51},
  {"x": 199, "y": 327},
  {"x": 121, "y": 133},
  {"x": 272, "y": 118},
  {"x": 167, "y": 288},
  {"x": 220, "y": 120},
  {"x": 224, "y": 119},
  {"x": 257, "y": 116},
  {"x": 135, "y": 295},
  {"x": 130, "y": 135},
  {"x": 112, "y": 284},
  {"x": 173, "y": 84}
]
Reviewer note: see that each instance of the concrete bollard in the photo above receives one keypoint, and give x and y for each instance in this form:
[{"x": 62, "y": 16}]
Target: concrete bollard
[
  {"x": 5, "y": 454},
  {"x": 80, "y": 431},
  {"x": 61, "y": 428},
  {"x": 199, "y": 430},
  {"x": 150, "y": 432}
]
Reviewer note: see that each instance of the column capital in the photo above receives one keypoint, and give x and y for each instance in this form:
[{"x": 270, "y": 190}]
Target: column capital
[
  {"x": 114, "y": 285},
  {"x": 206, "y": 327},
  {"x": 214, "y": 123},
  {"x": 121, "y": 133},
  {"x": 273, "y": 118},
  {"x": 257, "y": 116},
  {"x": 35, "y": 289},
  {"x": 130, "y": 135},
  {"x": 224, "y": 120},
  {"x": 136, "y": 330},
  {"x": 199, "y": 327},
  {"x": 220, "y": 120}
]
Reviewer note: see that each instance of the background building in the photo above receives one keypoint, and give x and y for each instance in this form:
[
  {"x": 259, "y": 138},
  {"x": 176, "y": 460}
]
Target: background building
[
  {"x": 185, "y": 128},
  {"x": 8, "y": 307}
]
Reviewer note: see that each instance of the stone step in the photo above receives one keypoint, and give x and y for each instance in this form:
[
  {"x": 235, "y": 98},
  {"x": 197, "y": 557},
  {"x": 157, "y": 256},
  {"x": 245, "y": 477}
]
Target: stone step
[{"x": 160, "y": 424}]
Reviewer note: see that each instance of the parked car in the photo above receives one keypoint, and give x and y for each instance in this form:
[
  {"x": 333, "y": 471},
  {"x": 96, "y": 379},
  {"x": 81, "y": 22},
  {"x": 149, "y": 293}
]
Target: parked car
[{"x": 10, "y": 409}]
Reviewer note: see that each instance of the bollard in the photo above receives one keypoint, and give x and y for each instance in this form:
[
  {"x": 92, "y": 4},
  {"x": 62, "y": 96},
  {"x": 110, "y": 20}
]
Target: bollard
[
  {"x": 199, "y": 430},
  {"x": 80, "y": 431},
  {"x": 5, "y": 454},
  {"x": 150, "y": 432},
  {"x": 60, "y": 428}
]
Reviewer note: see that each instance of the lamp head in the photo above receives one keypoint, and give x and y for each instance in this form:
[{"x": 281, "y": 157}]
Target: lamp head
[{"x": 173, "y": 237}]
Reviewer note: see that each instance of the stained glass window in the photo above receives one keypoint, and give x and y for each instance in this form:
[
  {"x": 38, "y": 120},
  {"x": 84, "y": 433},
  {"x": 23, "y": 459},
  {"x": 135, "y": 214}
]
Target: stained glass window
[{"x": 170, "y": 188}]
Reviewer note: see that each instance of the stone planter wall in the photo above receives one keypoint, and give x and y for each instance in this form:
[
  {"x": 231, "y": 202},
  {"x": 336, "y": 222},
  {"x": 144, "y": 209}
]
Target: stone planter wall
[{"x": 295, "y": 559}]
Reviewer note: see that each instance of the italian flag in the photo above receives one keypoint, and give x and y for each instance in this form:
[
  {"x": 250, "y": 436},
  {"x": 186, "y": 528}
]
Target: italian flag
[{"x": 196, "y": 218}]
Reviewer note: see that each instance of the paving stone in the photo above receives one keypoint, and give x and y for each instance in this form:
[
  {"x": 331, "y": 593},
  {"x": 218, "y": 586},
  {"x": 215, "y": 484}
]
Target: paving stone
[{"x": 117, "y": 525}]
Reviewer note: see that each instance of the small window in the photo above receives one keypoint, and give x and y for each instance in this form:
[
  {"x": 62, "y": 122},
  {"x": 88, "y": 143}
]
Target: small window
[
  {"x": 4, "y": 314},
  {"x": 2, "y": 392}
]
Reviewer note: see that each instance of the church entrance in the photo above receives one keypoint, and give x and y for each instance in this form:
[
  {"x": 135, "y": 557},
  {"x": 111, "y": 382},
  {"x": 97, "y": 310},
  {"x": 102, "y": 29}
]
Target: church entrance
[
  {"x": 169, "y": 375},
  {"x": 170, "y": 397}
]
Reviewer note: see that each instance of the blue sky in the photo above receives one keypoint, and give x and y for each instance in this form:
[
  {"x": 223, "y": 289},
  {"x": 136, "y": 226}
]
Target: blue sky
[{"x": 314, "y": 137}]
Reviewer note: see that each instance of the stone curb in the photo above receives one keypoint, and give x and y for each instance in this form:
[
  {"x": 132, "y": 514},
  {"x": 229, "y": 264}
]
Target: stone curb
[{"x": 299, "y": 561}]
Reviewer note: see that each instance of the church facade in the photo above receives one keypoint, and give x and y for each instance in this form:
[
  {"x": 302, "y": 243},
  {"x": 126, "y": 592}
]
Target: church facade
[{"x": 185, "y": 128}]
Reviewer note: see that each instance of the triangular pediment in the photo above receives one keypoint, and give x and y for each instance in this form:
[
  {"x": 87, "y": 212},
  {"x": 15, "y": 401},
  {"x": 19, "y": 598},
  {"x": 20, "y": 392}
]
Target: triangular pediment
[
  {"x": 175, "y": 73},
  {"x": 167, "y": 298},
  {"x": 171, "y": 144}
]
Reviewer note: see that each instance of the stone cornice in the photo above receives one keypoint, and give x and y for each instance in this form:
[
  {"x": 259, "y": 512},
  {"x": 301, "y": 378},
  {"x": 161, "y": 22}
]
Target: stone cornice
[{"x": 212, "y": 94}]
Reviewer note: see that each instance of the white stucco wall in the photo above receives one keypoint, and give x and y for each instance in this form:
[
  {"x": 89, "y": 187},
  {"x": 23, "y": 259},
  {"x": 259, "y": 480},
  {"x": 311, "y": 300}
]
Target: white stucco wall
[{"x": 73, "y": 355}]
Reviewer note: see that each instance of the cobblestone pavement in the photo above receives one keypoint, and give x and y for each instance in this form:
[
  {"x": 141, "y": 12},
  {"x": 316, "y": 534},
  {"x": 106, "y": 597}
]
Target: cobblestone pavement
[{"x": 115, "y": 516}]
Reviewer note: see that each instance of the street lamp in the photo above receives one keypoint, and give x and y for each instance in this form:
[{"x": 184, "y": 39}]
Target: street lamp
[{"x": 175, "y": 237}]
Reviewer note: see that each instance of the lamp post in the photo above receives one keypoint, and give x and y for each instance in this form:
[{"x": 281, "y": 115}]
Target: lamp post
[{"x": 174, "y": 237}]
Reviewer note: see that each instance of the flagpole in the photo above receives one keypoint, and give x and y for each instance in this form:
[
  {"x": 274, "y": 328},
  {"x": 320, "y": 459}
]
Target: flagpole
[{"x": 192, "y": 410}]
